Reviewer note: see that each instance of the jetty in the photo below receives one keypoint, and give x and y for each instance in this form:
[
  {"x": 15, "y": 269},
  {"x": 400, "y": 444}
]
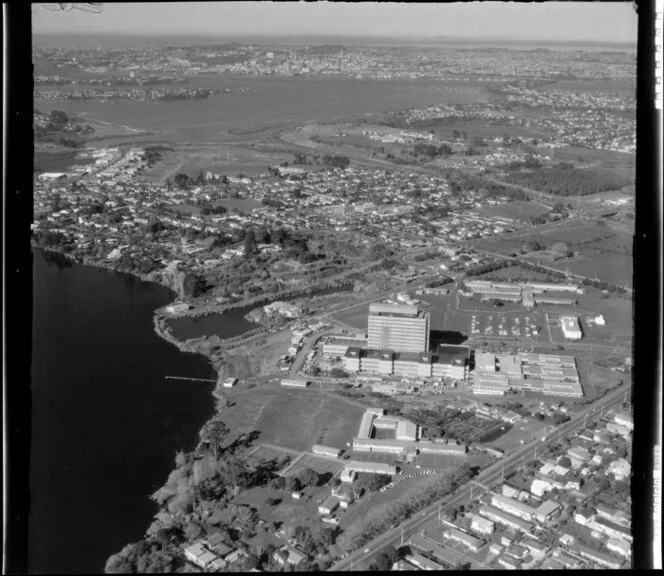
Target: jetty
[{"x": 191, "y": 379}]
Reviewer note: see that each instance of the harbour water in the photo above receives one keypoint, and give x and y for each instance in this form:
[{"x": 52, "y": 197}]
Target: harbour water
[
  {"x": 227, "y": 325},
  {"x": 106, "y": 423}
]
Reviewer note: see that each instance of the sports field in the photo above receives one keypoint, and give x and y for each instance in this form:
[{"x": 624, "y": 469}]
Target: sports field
[
  {"x": 295, "y": 419},
  {"x": 514, "y": 273},
  {"x": 443, "y": 461},
  {"x": 516, "y": 210}
]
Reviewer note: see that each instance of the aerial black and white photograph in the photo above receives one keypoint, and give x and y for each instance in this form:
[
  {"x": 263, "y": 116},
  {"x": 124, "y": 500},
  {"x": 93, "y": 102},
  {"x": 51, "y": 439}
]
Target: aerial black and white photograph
[{"x": 332, "y": 286}]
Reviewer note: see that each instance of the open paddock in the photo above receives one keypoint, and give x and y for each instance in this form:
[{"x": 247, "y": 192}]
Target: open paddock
[
  {"x": 606, "y": 267},
  {"x": 317, "y": 463},
  {"x": 595, "y": 379},
  {"x": 623, "y": 163},
  {"x": 517, "y": 210},
  {"x": 617, "y": 310},
  {"x": 569, "y": 231},
  {"x": 572, "y": 232},
  {"x": 484, "y": 130},
  {"x": 618, "y": 243},
  {"x": 295, "y": 419},
  {"x": 356, "y": 316}
]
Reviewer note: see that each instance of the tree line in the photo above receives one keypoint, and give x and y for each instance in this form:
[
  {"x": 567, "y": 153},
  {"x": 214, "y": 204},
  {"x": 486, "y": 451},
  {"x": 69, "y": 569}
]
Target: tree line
[
  {"x": 566, "y": 180},
  {"x": 333, "y": 161},
  {"x": 463, "y": 183}
]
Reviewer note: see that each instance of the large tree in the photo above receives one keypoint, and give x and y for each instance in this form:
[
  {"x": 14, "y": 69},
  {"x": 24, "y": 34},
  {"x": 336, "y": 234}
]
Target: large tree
[
  {"x": 309, "y": 477},
  {"x": 373, "y": 482},
  {"x": 213, "y": 436}
]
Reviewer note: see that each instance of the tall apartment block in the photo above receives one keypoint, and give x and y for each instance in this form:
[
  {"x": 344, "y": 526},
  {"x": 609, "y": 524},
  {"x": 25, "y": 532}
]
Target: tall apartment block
[{"x": 398, "y": 327}]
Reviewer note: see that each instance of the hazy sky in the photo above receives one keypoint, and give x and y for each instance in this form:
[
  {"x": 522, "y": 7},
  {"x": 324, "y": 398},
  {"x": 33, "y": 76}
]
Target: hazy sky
[{"x": 587, "y": 21}]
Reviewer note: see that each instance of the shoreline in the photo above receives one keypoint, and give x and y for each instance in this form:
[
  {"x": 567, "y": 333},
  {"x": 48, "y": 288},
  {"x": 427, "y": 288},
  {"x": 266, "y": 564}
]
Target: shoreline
[{"x": 202, "y": 346}]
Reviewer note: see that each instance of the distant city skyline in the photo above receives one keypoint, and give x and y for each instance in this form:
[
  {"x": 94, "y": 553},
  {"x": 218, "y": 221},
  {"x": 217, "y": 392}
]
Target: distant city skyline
[{"x": 536, "y": 22}]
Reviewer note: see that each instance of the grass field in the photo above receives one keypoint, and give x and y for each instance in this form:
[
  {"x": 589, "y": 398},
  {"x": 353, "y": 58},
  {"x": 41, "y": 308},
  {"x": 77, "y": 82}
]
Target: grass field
[
  {"x": 513, "y": 272},
  {"x": 569, "y": 231},
  {"x": 267, "y": 453},
  {"x": 320, "y": 465},
  {"x": 620, "y": 243},
  {"x": 443, "y": 461},
  {"x": 383, "y": 458},
  {"x": 517, "y": 210},
  {"x": 607, "y": 266},
  {"x": 596, "y": 379},
  {"x": 295, "y": 419},
  {"x": 599, "y": 257}
]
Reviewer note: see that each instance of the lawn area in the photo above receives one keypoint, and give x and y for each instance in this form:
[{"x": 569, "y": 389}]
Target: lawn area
[
  {"x": 517, "y": 210},
  {"x": 295, "y": 419},
  {"x": 289, "y": 512},
  {"x": 267, "y": 453},
  {"x": 321, "y": 465}
]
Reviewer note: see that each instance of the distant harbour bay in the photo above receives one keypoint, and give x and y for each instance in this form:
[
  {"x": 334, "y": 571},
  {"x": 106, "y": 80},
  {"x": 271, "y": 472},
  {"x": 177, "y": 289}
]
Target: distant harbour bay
[
  {"x": 267, "y": 101},
  {"x": 106, "y": 423}
]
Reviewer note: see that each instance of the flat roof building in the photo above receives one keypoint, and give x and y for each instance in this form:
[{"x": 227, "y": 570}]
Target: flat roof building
[
  {"x": 329, "y": 506},
  {"x": 371, "y": 467},
  {"x": 348, "y": 475},
  {"x": 398, "y": 327},
  {"x": 326, "y": 450},
  {"x": 295, "y": 383},
  {"x": 546, "y": 373},
  {"x": 334, "y": 347},
  {"x": 447, "y": 361},
  {"x": 571, "y": 328},
  {"x": 512, "y": 506},
  {"x": 422, "y": 562},
  {"x": 506, "y": 519},
  {"x": 466, "y": 539}
]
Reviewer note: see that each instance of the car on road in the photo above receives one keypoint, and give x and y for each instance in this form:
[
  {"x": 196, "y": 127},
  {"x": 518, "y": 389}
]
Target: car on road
[{"x": 367, "y": 550}]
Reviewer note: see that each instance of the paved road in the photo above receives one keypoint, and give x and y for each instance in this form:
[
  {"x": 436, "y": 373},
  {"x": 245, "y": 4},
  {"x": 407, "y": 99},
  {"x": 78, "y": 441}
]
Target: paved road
[{"x": 487, "y": 477}]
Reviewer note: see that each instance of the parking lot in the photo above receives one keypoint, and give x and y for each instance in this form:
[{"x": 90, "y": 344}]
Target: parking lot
[{"x": 526, "y": 326}]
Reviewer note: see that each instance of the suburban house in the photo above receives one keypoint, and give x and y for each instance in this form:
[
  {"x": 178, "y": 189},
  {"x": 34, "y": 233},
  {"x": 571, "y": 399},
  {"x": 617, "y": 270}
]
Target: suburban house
[
  {"x": 290, "y": 555},
  {"x": 329, "y": 506}
]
